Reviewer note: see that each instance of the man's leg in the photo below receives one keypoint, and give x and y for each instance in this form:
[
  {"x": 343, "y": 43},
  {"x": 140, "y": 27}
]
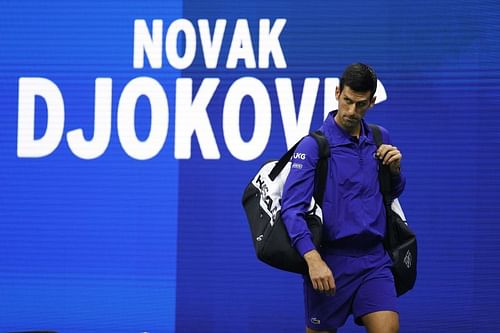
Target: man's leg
[
  {"x": 308, "y": 330},
  {"x": 381, "y": 322},
  {"x": 375, "y": 303}
]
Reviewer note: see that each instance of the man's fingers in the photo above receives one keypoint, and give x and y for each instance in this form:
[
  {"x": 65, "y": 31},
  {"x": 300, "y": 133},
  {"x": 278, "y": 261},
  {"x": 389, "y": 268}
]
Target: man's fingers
[
  {"x": 331, "y": 285},
  {"x": 383, "y": 149},
  {"x": 315, "y": 284},
  {"x": 324, "y": 285},
  {"x": 391, "y": 156},
  {"x": 396, "y": 157},
  {"x": 388, "y": 154},
  {"x": 331, "y": 282},
  {"x": 320, "y": 285}
]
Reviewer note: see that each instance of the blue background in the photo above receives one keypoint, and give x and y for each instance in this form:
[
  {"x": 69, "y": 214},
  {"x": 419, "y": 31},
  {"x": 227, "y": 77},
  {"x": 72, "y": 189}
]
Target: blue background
[{"x": 163, "y": 245}]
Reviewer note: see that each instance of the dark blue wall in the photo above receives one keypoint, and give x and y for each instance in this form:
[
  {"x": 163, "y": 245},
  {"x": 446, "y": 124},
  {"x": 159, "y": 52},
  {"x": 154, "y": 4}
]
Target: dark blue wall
[{"x": 162, "y": 245}]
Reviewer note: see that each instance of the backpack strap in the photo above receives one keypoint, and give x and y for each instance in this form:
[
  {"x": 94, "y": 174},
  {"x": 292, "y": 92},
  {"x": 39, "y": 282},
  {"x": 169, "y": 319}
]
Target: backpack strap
[
  {"x": 282, "y": 162},
  {"x": 384, "y": 174},
  {"x": 321, "y": 167},
  {"x": 377, "y": 134}
]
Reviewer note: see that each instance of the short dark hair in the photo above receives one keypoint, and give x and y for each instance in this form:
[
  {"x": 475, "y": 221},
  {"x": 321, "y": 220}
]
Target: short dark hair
[{"x": 359, "y": 77}]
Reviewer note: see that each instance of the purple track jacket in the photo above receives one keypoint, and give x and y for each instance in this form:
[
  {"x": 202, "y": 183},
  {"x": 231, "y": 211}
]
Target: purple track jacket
[{"x": 353, "y": 209}]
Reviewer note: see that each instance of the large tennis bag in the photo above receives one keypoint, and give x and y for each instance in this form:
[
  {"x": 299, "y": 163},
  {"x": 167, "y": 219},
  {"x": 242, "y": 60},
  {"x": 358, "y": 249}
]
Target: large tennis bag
[{"x": 262, "y": 203}]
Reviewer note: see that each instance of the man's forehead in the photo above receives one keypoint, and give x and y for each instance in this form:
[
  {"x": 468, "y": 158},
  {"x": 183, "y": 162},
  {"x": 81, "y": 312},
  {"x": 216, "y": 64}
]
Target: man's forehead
[{"x": 356, "y": 95}]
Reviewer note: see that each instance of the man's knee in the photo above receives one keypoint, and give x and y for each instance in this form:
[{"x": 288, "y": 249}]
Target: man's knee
[
  {"x": 392, "y": 326},
  {"x": 381, "y": 322}
]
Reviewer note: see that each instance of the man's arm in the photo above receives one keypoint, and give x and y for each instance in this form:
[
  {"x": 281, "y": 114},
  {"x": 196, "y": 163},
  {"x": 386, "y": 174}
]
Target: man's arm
[
  {"x": 297, "y": 194},
  {"x": 296, "y": 199}
]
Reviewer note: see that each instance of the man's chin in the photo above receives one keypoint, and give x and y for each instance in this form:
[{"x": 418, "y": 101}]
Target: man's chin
[
  {"x": 351, "y": 123},
  {"x": 351, "y": 120}
]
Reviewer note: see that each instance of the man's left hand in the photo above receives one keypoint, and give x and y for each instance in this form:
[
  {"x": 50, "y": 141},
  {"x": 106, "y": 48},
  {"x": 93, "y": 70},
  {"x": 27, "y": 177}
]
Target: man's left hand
[{"x": 390, "y": 155}]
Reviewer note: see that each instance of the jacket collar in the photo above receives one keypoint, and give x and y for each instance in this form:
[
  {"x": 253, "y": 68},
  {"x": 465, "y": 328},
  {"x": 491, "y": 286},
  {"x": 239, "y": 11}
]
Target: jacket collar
[{"x": 337, "y": 136}]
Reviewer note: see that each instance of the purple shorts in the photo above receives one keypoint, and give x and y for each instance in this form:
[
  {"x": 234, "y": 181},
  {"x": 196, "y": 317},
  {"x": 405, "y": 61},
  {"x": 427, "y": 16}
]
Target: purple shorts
[{"x": 364, "y": 284}]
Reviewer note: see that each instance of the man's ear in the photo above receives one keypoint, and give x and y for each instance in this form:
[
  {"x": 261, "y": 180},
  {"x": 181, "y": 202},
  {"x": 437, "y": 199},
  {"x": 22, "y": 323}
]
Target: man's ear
[
  {"x": 337, "y": 93},
  {"x": 373, "y": 101}
]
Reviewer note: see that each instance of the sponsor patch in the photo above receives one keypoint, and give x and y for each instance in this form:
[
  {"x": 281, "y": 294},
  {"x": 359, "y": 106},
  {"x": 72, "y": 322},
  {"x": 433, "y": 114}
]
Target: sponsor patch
[{"x": 301, "y": 156}]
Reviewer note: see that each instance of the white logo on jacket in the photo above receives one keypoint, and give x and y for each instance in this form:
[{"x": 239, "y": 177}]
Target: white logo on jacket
[{"x": 301, "y": 156}]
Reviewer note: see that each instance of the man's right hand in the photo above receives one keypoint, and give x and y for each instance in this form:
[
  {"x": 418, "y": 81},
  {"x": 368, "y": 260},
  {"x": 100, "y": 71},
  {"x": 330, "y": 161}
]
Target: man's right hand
[{"x": 321, "y": 276}]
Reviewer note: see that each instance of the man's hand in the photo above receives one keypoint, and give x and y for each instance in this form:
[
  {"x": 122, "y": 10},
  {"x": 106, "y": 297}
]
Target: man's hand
[
  {"x": 320, "y": 274},
  {"x": 390, "y": 155}
]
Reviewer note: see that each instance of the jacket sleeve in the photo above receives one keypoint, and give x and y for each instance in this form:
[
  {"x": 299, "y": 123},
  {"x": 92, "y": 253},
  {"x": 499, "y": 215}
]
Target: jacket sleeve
[
  {"x": 398, "y": 182},
  {"x": 297, "y": 194}
]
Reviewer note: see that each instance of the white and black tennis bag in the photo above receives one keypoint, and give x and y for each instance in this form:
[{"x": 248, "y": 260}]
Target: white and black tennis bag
[{"x": 262, "y": 203}]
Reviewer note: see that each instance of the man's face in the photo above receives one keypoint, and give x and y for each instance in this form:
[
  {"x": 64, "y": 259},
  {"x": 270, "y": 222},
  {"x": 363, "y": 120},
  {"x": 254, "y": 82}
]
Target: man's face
[{"x": 353, "y": 106}]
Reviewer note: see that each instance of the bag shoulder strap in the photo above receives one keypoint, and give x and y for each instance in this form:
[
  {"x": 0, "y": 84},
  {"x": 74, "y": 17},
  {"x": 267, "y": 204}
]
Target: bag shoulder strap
[
  {"x": 384, "y": 175},
  {"x": 282, "y": 162},
  {"x": 377, "y": 134},
  {"x": 321, "y": 167}
]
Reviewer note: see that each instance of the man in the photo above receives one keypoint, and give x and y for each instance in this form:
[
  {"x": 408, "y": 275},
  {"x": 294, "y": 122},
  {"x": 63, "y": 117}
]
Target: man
[{"x": 350, "y": 273}]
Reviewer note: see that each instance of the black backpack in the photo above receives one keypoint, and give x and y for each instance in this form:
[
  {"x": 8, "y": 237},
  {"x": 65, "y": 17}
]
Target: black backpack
[
  {"x": 400, "y": 241},
  {"x": 262, "y": 203}
]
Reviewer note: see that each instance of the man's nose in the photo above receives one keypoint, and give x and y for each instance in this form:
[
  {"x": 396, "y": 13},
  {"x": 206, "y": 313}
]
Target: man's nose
[{"x": 352, "y": 108}]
